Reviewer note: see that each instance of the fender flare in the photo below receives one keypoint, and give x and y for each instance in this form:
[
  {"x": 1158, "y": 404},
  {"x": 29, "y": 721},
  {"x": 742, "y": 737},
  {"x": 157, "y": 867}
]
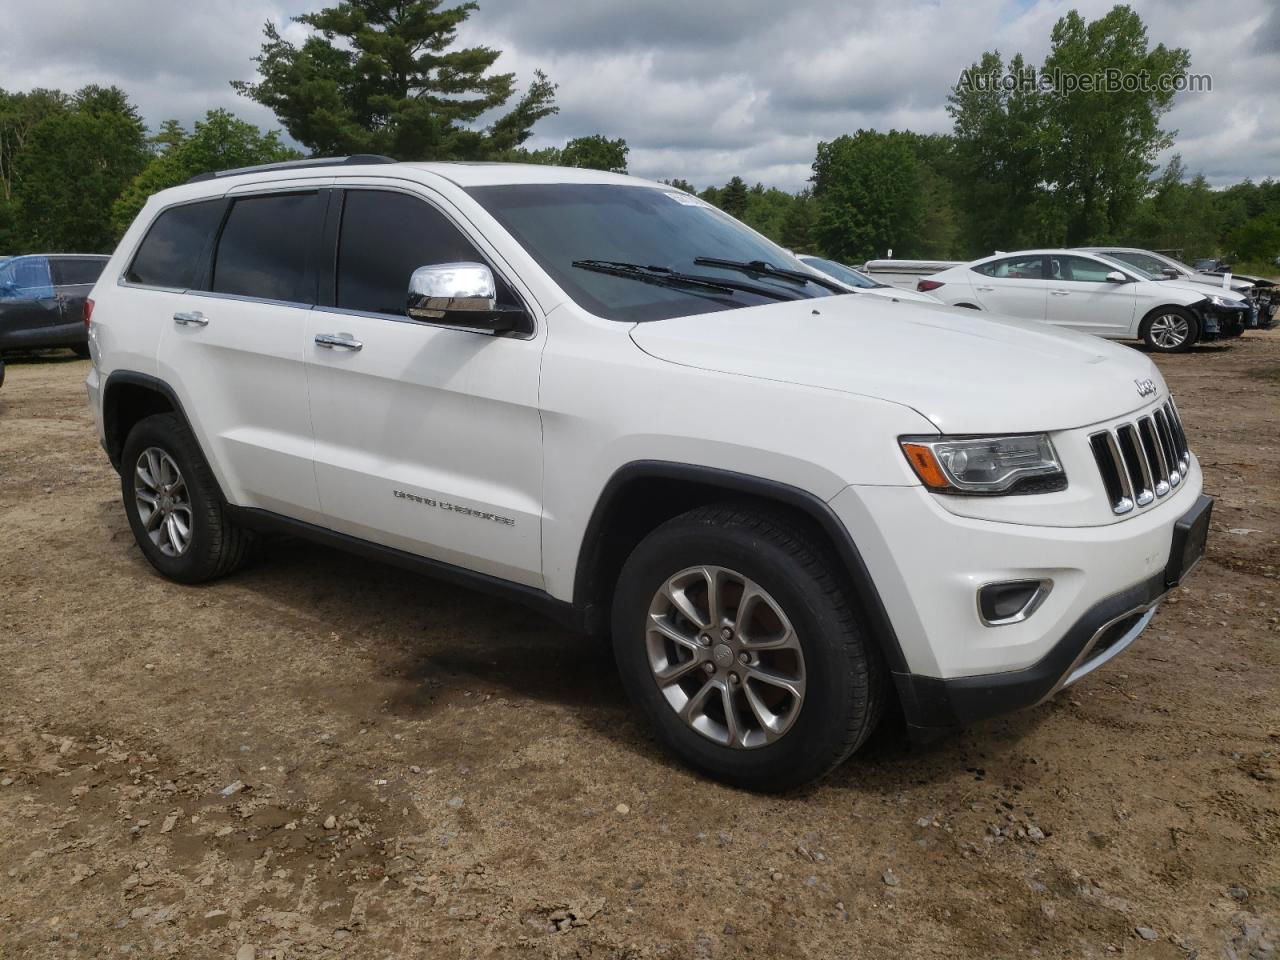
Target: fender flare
[{"x": 865, "y": 592}]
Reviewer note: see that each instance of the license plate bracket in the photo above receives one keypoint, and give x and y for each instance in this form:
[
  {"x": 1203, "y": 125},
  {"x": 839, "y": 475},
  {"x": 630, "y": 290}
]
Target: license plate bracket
[{"x": 1190, "y": 535}]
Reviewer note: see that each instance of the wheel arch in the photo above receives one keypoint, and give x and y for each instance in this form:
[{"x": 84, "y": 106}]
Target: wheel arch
[
  {"x": 129, "y": 397},
  {"x": 643, "y": 494}
]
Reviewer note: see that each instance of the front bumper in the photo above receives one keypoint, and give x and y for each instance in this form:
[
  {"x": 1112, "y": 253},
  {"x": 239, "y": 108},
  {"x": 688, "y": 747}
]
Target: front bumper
[
  {"x": 1223, "y": 323},
  {"x": 928, "y": 565},
  {"x": 1106, "y": 630}
]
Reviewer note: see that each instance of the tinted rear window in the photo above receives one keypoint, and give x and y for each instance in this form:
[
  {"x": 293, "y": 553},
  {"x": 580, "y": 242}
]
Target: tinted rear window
[
  {"x": 170, "y": 254},
  {"x": 266, "y": 246},
  {"x": 385, "y": 237},
  {"x": 68, "y": 271}
]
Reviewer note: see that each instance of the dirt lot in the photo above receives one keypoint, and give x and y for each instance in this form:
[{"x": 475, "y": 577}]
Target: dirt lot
[{"x": 324, "y": 757}]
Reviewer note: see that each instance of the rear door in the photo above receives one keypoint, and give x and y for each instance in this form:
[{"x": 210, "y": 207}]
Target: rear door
[
  {"x": 232, "y": 347},
  {"x": 73, "y": 278},
  {"x": 1013, "y": 286},
  {"x": 29, "y": 308},
  {"x": 1081, "y": 298},
  {"x": 428, "y": 436}
]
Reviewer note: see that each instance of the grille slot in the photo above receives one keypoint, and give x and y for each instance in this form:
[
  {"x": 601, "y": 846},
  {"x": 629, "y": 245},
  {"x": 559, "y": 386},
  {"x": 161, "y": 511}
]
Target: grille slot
[{"x": 1143, "y": 460}]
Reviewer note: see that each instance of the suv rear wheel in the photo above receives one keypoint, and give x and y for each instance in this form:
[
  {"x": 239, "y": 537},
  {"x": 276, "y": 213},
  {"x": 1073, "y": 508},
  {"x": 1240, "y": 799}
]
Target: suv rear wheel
[
  {"x": 172, "y": 501},
  {"x": 733, "y": 634}
]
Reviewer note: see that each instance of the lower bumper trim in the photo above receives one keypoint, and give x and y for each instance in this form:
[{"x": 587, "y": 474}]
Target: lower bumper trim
[{"x": 933, "y": 705}]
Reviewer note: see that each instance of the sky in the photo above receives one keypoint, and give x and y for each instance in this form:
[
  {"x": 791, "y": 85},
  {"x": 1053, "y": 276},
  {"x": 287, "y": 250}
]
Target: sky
[{"x": 699, "y": 90}]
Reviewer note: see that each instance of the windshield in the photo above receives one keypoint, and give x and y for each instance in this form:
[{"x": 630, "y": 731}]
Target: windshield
[
  {"x": 566, "y": 226},
  {"x": 1128, "y": 267},
  {"x": 842, "y": 273}
]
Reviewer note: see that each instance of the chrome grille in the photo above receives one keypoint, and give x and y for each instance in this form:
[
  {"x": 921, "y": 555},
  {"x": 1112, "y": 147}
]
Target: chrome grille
[{"x": 1143, "y": 460}]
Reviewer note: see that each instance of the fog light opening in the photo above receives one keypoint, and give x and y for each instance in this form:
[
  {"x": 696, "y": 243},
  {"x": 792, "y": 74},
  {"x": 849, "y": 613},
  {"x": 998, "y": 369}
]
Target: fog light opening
[{"x": 1011, "y": 601}]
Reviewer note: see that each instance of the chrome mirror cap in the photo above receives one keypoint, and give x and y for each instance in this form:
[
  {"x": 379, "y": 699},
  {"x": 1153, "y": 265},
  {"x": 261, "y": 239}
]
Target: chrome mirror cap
[{"x": 442, "y": 289}]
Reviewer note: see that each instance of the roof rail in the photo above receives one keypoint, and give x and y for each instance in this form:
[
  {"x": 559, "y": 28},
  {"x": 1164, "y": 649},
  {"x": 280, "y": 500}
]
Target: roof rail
[{"x": 356, "y": 158}]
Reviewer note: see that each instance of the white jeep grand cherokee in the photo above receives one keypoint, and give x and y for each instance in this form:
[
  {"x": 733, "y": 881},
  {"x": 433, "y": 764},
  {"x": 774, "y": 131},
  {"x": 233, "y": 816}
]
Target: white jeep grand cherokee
[{"x": 789, "y": 507}]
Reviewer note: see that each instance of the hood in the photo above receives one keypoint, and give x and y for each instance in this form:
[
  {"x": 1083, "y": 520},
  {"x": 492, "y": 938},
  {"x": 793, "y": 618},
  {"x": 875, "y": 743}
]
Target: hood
[
  {"x": 1205, "y": 285},
  {"x": 967, "y": 372}
]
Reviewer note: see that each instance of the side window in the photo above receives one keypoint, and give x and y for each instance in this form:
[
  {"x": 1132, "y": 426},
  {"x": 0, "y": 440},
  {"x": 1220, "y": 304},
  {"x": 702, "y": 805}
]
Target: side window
[
  {"x": 265, "y": 249},
  {"x": 386, "y": 236},
  {"x": 1014, "y": 268},
  {"x": 169, "y": 255},
  {"x": 27, "y": 278},
  {"x": 1080, "y": 270},
  {"x": 73, "y": 271}
]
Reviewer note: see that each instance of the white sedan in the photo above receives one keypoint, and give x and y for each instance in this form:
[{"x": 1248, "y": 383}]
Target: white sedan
[{"x": 1094, "y": 294}]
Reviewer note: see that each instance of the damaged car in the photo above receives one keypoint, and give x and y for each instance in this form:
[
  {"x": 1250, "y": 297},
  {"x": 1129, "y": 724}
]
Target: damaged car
[
  {"x": 1093, "y": 293},
  {"x": 1263, "y": 294}
]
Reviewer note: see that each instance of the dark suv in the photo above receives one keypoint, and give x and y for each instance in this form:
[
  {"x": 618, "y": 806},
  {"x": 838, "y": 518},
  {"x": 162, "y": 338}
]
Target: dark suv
[{"x": 42, "y": 300}]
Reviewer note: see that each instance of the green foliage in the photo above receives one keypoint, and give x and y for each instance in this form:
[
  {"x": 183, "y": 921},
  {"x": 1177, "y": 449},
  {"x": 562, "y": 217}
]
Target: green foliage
[
  {"x": 1257, "y": 240},
  {"x": 1100, "y": 146},
  {"x": 218, "y": 142},
  {"x": 384, "y": 77},
  {"x": 684, "y": 185},
  {"x": 868, "y": 190},
  {"x": 796, "y": 232},
  {"x": 733, "y": 198},
  {"x": 1059, "y": 162},
  {"x": 73, "y": 164},
  {"x": 596, "y": 152},
  {"x": 1176, "y": 215}
]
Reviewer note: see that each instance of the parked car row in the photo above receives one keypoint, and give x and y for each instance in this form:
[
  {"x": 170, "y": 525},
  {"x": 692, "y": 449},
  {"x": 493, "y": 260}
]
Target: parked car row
[
  {"x": 790, "y": 503},
  {"x": 1100, "y": 292},
  {"x": 42, "y": 300}
]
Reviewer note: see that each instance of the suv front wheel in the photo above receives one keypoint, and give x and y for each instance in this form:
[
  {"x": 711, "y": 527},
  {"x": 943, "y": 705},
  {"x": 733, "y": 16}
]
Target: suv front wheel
[
  {"x": 733, "y": 633},
  {"x": 172, "y": 501}
]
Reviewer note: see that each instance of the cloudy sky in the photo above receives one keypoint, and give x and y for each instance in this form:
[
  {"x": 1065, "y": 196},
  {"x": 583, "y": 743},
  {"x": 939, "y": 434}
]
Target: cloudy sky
[{"x": 699, "y": 90}]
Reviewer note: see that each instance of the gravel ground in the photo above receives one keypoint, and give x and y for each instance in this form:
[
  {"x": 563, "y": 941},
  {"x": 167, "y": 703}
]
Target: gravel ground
[{"x": 325, "y": 757}]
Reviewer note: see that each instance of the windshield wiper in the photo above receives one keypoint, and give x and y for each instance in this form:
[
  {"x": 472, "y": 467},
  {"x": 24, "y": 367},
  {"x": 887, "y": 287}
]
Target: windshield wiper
[
  {"x": 764, "y": 269},
  {"x": 666, "y": 277}
]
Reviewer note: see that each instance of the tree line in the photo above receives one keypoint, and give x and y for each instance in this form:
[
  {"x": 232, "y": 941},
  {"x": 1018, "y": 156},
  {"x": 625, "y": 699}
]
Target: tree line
[{"x": 1027, "y": 163}]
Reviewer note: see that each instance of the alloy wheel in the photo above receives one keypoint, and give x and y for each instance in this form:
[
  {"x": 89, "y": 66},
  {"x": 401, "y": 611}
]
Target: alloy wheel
[
  {"x": 725, "y": 657},
  {"x": 1169, "y": 331},
  {"x": 164, "y": 505}
]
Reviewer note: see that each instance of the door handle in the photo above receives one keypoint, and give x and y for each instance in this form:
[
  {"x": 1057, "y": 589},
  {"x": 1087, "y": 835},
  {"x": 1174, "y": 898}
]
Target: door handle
[
  {"x": 1061, "y": 293},
  {"x": 191, "y": 318},
  {"x": 344, "y": 340}
]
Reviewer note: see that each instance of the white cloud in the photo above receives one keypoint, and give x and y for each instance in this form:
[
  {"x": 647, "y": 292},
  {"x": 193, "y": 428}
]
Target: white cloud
[{"x": 700, "y": 91}]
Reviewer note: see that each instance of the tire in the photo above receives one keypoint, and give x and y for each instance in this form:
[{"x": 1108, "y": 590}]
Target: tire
[
  {"x": 843, "y": 681},
  {"x": 81, "y": 350},
  {"x": 1170, "y": 330},
  {"x": 162, "y": 449}
]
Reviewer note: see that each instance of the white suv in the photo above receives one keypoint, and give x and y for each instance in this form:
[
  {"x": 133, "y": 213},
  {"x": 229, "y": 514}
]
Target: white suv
[{"x": 790, "y": 507}]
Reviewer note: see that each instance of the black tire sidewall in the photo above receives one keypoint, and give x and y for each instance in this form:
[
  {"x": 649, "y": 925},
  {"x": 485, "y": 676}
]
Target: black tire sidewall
[
  {"x": 169, "y": 434},
  {"x": 807, "y": 749}
]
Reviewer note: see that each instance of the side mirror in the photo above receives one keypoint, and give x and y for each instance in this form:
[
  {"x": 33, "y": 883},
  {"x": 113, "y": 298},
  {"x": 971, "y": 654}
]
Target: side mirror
[
  {"x": 1115, "y": 276},
  {"x": 461, "y": 294},
  {"x": 1171, "y": 273}
]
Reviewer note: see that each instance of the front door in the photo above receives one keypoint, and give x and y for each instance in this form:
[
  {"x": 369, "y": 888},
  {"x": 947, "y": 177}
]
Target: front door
[
  {"x": 428, "y": 437},
  {"x": 29, "y": 308},
  {"x": 1082, "y": 298}
]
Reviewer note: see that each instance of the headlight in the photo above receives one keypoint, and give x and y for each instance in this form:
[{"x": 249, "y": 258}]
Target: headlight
[
  {"x": 1218, "y": 301},
  {"x": 986, "y": 465}
]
